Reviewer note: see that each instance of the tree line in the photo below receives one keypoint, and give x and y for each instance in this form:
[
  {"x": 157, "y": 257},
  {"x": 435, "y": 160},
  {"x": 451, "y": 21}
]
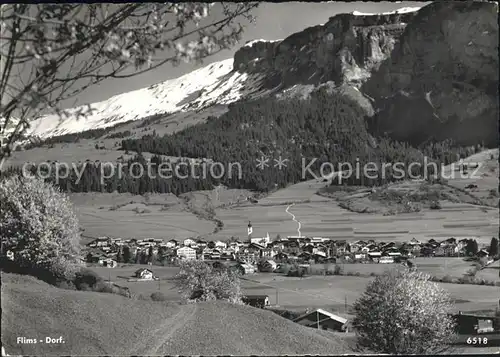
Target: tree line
[{"x": 323, "y": 131}]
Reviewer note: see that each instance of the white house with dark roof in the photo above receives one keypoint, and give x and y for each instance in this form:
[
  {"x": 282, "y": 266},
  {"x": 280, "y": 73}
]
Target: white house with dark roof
[{"x": 188, "y": 242}]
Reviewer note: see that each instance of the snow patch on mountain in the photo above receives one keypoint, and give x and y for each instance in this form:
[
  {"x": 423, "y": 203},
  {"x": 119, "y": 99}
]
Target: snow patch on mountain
[
  {"x": 402, "y": 10},
  {"x": 251, "y": 42},
  {"x": 215, "y": 83}
]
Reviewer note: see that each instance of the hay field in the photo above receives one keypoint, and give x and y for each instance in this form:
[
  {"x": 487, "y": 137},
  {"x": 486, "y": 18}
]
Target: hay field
[
  {"x": 152, "y": 215},
  {"x": 332, "y": 292},
  {"x": 486, "y": 177},
  {"x": 120, "y": 274},
  {"x": 139, "y": 220},
  {"x": 73, "y": 154},
  {"x": 490, "y": 272},
  {"x": 438, "y": 267},
  {"x": 323, "y": 217}
]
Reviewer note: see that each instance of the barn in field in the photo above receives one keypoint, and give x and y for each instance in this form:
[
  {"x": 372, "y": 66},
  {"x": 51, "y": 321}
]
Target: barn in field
[{"x": 322, "y": 319}]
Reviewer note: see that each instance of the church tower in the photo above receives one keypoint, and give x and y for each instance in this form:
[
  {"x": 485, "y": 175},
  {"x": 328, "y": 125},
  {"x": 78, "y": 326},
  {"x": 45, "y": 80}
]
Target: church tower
[{"x": 250, "y": 229}]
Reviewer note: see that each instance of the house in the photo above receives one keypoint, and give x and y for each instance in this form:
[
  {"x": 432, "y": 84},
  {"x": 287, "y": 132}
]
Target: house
[
  {"x": 268, "y": 266},
  {"x": 186, "y": 253},
  {"x": 172, "y": 243},
  {"x": 467, "y": 324},
  {"x": 359, "y": 256},
  {"x": 108, "y": 263},
  {"x": 99, "y": 242},
  {"x": 269, "y": 252},
  {"x": 291, "y": 247},
  {"x": 450, "y": 241},
  {"x": 451, "y": 250},
  {"x": 144, "y": 273},
  {"x": 393, "y": 252},
  {"x": 342, "y": 247},
  {"x": 308, "y": 248},
  {"x": 253, "y": 249},
  {"x": 439, "y": 252},
  {"x": 386, "y": 260},
  {"x": 281, "y": 256},
  {"x": 427, "y": 251},
  {"x": 264, "y": 241},
  {"x": 414, "y": 242},
  {"x": 355, "y": 247},
  {"x": 322, "y": 319},
  {"x": 201, "y": 243},
  {"x": 245, "y": 268},
  {"x": 462, "y": 243},
  {"x": 375, "y": 256},
  {"x": 260, "y": 301},
  {"x": 220, "y": 244},
  {"x": 189, "y": 242},
  {"x": 483, "y": 253}
]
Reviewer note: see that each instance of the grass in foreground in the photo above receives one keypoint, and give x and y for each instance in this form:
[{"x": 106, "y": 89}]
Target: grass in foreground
[{"x": 106, "y": 324}]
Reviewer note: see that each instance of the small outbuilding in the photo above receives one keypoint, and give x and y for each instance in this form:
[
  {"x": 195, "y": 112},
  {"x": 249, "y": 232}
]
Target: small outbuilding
[
  {"x": 322, "y": 319},
  {"x": 259, "y": 301}
]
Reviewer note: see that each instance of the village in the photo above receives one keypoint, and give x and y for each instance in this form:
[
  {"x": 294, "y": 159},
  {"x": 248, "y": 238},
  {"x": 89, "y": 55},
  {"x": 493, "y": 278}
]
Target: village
[{"x": 269, "y": 253}]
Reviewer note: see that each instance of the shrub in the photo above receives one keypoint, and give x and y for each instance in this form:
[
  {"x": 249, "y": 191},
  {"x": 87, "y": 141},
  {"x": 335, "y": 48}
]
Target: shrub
[
  {"x": 158, "y": 296},
  {"x": 86, "y": 279},
  {"x": 446, "y": 279},
  {"x": 39, "y": 226},
  {"x": 435, "y": 205},
  {"x": 471, "y": 272},
  {"x": 67, "y": 285},
  {"x": 338, "y": 270},
  {"x": 402, "y": 312}
]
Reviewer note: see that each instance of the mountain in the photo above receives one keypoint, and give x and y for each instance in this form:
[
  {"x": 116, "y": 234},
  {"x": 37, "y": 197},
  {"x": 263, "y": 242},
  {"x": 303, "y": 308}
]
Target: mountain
[
  {"x": 441, "y": 80},
  {"x": 100, "y": 324},
  {"x": 418, "y": 74},
  {"x": 258, "y": 69}
]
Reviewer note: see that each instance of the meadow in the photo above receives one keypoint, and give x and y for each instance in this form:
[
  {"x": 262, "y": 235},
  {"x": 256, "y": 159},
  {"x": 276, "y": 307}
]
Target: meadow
[
  {"x": 334, "y": 293},
  {"x": 454, "y": 267},
  {"x": 320, "y": 217},
  {"x": 338, "y": 293}
]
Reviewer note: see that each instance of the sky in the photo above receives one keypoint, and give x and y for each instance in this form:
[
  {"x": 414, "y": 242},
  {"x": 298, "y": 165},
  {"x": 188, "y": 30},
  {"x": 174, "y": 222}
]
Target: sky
[{"x": 273, "y": 21}]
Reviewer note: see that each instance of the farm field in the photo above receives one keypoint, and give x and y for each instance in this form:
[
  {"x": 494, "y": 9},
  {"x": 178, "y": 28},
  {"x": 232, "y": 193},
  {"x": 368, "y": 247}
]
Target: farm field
[
  {"x": 332, "y": 292},
  {"x": 486, "y": 177},
  {"x": 127, "y": 216},
  {"x": 329, "y": 292},
  {"x": 119, "y": 275},
  {"x": 490, "y": 272},
  {"x": 438, "y": 267},
  {"x": 162, "y": 216},
  {"x": 322, "y": 217}
]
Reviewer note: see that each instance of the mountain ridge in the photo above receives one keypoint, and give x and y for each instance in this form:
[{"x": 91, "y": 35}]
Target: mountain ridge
[
  {"x": 220, "y": 82},
  {"x": 387, "y": 58}
]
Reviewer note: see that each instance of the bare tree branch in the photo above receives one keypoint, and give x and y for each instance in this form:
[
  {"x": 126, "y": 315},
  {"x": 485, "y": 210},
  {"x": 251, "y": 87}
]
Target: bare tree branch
[{"x": 52, "y": 52}]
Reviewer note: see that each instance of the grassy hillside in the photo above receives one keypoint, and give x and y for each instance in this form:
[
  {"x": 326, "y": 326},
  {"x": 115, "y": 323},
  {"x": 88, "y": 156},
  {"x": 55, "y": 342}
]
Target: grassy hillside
[{"x": 106, "y": 324}]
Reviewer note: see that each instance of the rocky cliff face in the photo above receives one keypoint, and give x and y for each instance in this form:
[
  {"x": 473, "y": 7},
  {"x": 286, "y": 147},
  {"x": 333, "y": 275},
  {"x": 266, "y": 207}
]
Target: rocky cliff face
[
  {"x": 430, "y": 74},
  {"x": 441, "y": 80},
  {"x": 346, "y": 49}
]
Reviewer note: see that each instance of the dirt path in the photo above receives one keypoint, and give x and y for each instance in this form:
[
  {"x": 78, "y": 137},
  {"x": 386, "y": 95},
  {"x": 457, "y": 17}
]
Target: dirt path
[{"x": 158, "y": 340}]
